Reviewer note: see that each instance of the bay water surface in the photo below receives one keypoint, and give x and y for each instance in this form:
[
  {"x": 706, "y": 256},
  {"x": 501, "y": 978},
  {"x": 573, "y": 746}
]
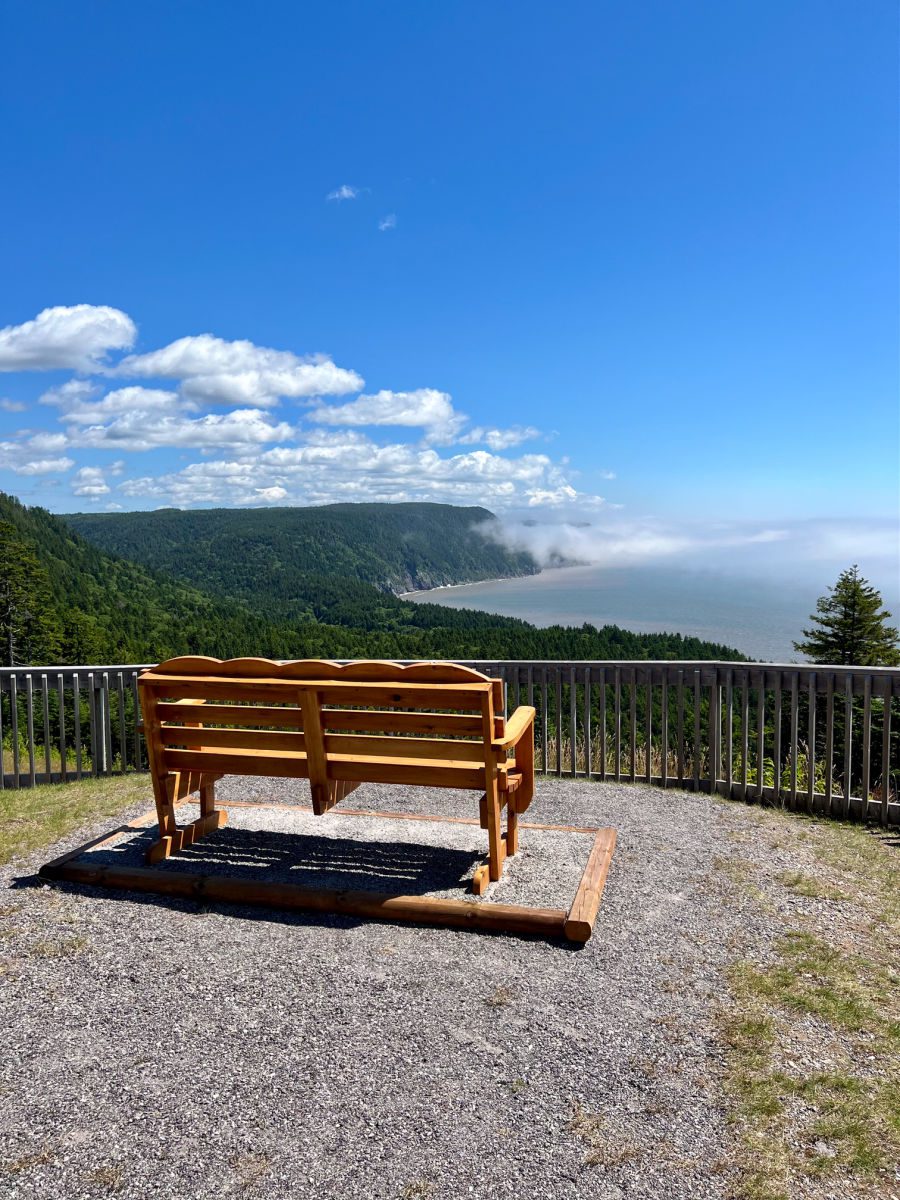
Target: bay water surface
[{"x": 759, "y": 617}]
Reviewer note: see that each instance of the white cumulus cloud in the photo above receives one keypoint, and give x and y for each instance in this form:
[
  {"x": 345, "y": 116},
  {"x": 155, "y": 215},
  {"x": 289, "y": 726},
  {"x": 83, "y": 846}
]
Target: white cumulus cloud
[
  {"x": 213, "y": 370},
  {"x": 500, "y": 439},
  {"x": 388, "y": 222},
  {"x": 89, "y": 481},
  {"x": 150, "y": 429},
  {"x": 14, "y": 457},
  {"x": 76, "y": 337},
  {"x": 344, "y": 192},
  {"x": 424, "y": 408}
]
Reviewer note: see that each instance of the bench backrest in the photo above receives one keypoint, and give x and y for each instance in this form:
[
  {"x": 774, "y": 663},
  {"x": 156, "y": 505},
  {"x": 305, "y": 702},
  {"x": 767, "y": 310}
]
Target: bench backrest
[{"x": 373, "y": 721}]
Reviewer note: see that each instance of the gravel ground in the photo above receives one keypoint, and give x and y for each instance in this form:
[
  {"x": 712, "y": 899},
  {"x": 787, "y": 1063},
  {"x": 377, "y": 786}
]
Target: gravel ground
[{"x": 159, "y": 1048}]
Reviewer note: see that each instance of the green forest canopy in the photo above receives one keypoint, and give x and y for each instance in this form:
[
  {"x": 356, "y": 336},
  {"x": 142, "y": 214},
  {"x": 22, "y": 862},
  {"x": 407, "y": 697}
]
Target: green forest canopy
[{"x": 102, "y": 607}]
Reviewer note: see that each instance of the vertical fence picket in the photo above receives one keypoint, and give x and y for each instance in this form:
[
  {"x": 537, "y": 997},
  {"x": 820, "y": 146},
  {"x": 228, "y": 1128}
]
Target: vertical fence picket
[
  {"x": 61, "y": 701},
  {"x": 586, "y": 725},
  {"x": 617, "y": 701},
  {"x": 866, "y": 746},
  {"x": 602, "y": 723},
  {"x": 573, "y": 722},
  {"x": 886, "y": 753},
  {"x": 848, "y": 745},
  {"x": 14, "y": 724},
  {"x": 715, "y": 732},
  {"x": 745, "y": 731},
  {"x": 829, "y": 742},
  {"x": 729, "y": 731},
  {"x": 29, "y": 725},
  {"x": 664, "y": 729},
  {"x": 680, "y": 730},
  {"x": 123, "y": 738},
  {"x": 136, "y": 709},
  {"x": 545, "y": 766},
  {"x": 648, "y": 727},
  {"x": 811, "y": 746},
  {"x": 45, "y": 713},
  {"x": 776, "y": 750},
  {"x": 795, "y": 735},
  {"x": 761, "y": 735},
  {"x": 557, "y": 678},
  {"x": 697, "y": 706},
  {"x": 92, "y": 723},
  {"x": 632, "y": 726},
  {"x": 76, "y": 702}
]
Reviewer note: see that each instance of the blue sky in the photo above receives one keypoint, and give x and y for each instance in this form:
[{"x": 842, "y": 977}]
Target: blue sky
[{"x": 648, "y": 250}]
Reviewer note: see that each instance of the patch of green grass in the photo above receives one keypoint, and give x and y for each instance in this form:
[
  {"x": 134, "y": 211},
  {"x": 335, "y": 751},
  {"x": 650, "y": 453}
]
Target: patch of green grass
[
  {"x": 849, "y": 1119},
  {"x": 806, "y": 885},
  {"x": 839, "y": 1119},
  {"x": 31, "y": 818}
]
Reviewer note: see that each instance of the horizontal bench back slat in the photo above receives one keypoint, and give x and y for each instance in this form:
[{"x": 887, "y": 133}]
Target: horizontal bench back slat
[
  {"x": 236, "y": 739},
  {"x": 396, "y": 721},
  {"x": 283, "y": 717}
]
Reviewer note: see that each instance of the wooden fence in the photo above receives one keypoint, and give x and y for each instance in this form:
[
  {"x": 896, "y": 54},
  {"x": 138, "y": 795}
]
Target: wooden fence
[{"x": 822, "y": 739}]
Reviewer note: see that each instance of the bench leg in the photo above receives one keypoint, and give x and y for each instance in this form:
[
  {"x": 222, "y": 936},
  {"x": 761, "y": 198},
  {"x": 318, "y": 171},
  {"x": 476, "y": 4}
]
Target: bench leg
[
  {"x": 491, "y": 871},
  {"x": 175, "y": 837},
  {"x": 512, "y": 830}
]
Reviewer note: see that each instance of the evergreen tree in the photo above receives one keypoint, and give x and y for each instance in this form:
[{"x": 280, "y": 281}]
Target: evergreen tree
[
  {"x": 29, "y": 629},
  {"x": 850, "y": 626}
]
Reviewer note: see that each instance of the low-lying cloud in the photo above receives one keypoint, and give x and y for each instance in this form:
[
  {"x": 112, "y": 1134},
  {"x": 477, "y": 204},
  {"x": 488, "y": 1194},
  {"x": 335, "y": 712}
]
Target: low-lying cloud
[{"x": 812, "y": 547}]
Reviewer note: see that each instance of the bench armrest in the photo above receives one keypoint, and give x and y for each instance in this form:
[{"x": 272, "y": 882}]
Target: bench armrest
[{"x": 517, "y": 725}]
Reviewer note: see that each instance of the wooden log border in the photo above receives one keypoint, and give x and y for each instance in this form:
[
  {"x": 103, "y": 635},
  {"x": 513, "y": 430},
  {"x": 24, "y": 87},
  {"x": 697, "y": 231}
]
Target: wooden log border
[{"x": 575, "y": 925}]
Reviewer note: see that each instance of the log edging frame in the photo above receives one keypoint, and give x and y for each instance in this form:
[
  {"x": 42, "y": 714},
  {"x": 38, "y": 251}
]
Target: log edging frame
[{"x": 575, "y": 924}]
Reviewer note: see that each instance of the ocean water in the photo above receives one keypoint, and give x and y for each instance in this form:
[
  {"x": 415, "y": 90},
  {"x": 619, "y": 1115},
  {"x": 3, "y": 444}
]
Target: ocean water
[{"x": 760, "y": 618}]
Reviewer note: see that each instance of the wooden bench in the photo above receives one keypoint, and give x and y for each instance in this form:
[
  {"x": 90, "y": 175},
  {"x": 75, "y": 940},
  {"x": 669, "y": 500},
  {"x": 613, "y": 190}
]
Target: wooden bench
[{"x": 432, "y": 723}]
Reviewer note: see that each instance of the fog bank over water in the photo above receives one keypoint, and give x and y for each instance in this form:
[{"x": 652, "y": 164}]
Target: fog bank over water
[{"x": 812, "y": 551}]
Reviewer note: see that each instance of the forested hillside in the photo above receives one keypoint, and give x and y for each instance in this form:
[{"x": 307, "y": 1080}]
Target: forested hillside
[
  {"x": 64, "y": 600},
  {"x": 269, "y": 552}
]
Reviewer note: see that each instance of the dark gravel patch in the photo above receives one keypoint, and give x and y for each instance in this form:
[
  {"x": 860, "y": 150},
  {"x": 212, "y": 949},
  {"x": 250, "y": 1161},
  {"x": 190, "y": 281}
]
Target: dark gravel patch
[{"x": 154, "y": 1048}]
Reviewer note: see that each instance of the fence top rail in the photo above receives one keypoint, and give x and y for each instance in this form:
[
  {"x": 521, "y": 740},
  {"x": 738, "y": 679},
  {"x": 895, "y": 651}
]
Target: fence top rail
[{"x": 669, "y": 664}]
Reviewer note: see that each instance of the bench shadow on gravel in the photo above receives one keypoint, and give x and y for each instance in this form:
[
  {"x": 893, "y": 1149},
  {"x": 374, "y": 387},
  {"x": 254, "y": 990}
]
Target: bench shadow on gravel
[{"x": 312, "y": 861}]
